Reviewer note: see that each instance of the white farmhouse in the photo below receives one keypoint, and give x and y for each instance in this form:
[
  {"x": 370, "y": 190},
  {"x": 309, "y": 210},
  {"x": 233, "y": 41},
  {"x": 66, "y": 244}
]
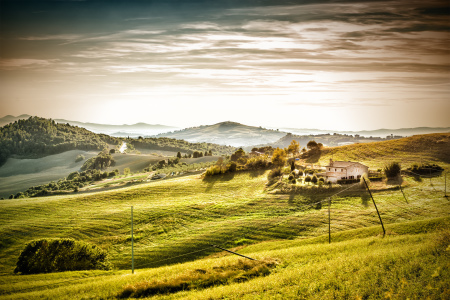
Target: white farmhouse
[{"x": 344, "y": 170}]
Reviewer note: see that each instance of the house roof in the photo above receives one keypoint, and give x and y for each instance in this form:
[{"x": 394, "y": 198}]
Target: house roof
[{"x": 343, "y": 164}]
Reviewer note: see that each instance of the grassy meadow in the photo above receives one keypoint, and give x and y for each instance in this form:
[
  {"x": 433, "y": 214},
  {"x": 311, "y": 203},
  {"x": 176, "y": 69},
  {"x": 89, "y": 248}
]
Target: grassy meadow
[
  {"x": 17, "y": 175},
  {"x": 176, "y": 221}
]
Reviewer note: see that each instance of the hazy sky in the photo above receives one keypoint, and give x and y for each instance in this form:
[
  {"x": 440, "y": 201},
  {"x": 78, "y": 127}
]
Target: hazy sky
[{"x": 343, "y": 65}]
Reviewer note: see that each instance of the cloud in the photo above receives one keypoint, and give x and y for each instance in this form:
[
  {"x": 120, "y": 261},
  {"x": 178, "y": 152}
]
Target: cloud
[
  {"x": 11, "y": 64},
  {"x": 326, "y": 53}
]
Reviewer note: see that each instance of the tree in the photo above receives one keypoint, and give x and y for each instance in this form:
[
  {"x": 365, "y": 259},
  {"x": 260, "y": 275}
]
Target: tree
[
  {"x": 312, "y": 145},
  {"x": 238, "y": 154},
  {"x": 308, "y": 178},
  {"x": 179, "y": 154},
  {"x": 292, "y": 165},
  {"x": 279, "y": 157},
  {"x": 126, "y": 171},
  {"x": 294, "y": 147},
  {"x": 314, "y": 179}
]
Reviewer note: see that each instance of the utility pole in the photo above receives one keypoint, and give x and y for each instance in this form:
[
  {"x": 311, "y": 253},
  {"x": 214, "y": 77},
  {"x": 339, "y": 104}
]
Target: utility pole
[
  {"x": 132, "y": 243},
  {"x": 370, "y": 193},
  {"x": 329, "y": 220}
]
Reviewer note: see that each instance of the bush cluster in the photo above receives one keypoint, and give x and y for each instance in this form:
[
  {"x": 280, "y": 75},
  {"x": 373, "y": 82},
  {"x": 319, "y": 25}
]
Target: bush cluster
[
  {"x": 392, "y": 170},
  {"x": 58, "y": 255},
  {"x": 425, "y": 169},
  {"x": 73, "y": 182},
  {"x": 101, "y": 161},
  {"x": 231, "y": 167}
]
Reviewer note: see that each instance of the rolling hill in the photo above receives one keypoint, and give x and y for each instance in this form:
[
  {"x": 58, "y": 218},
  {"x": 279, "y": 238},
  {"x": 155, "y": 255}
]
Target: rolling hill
[
  {"x": 227, "y": 133},
  {"x": 176, "y": 221}
]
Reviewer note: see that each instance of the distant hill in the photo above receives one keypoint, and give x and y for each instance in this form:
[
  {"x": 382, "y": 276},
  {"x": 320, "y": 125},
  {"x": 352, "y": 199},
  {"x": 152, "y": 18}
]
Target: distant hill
[
  {"x": 227, "y": 133},
  {"x": 38, "y": 137},
  {"x": 327, "y": 139},
  {"x": 371, "y": 133},
  {"x": 125, "y": 130}
]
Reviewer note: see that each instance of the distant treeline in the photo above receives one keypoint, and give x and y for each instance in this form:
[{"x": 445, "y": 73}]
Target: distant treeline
[
  {"x": 38, "y": 137},
  {"x": 174, "y": 145}
]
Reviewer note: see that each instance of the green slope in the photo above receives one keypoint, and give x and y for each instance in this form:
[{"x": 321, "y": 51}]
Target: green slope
[{"x": 177, "y": 220}]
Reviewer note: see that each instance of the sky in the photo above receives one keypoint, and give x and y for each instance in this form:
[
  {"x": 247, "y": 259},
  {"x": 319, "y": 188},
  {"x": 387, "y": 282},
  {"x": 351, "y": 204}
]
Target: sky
[{"x": 341, "y": 65}]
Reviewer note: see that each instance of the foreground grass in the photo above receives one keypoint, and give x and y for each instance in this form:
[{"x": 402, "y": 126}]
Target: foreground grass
[
  {"x": 413, "y": 261},
  {"x": 184, "y": 215}
]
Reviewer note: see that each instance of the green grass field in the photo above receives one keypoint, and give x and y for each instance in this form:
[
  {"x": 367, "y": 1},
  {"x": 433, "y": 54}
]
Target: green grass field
[
  {"x": 17, "y": 175},
  {"x": 177, "y": 220}
]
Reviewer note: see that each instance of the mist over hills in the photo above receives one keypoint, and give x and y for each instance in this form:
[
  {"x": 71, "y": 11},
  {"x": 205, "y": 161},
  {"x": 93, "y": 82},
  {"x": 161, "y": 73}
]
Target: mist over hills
[
  {"x": 382, "y": 133},
  {"x": 240, "y": 135},
  {"x": 125, "y": 130}
]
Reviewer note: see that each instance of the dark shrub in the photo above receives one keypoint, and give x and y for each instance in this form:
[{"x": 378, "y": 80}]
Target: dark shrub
[
  {"x": 392, "y": 170},
  {"x": 231, "y": 167},
  {"x": 57, "y": 255},
  {"x": 308, "y": 178},
  {"x": 274, "y": 173}
]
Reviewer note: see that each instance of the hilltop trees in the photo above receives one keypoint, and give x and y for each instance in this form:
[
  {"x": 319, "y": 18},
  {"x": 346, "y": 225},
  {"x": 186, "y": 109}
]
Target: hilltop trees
[
  {"x": 293, "y": 148},
  {"x": 36, "y": 137}
]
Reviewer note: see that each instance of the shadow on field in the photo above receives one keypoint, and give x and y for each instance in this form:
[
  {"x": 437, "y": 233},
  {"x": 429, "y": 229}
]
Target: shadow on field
[
  {"x": 211, "y": 180},
  {"x": 308, "y": 201},
  {"x": 257, "y": 173},
  {"x": 365, "y": 199},
  {"x": 313, "y": 156}
]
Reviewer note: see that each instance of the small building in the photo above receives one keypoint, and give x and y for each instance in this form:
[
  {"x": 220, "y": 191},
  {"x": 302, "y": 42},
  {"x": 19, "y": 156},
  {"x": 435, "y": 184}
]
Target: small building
[{"x": 337, "y": 170}]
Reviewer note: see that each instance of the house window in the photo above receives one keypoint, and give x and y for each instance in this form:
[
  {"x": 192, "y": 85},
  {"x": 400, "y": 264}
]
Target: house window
[
  {"x": 329, "y": 169},
  {"x": 342, "y": 170},
  {"x": 335, "y": 170}
]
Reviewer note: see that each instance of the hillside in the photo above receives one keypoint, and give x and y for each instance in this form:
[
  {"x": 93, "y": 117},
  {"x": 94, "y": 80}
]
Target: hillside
[
  {"x": 409, "y": 150},
  {"x": 37, "y": 137},
  {"x": 227, "y": 133},
  {"x": 176, "y": 221},
  {"x": 326, "y": 139}
]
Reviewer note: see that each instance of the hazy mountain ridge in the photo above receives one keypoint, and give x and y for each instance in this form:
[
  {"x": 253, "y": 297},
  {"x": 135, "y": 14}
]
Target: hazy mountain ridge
[
  {"x": 371, "y": 133},
  {"x": 240, "y": 135},
  {"x": 227, "y": 133},
  {"x": 132, "y": 130}
]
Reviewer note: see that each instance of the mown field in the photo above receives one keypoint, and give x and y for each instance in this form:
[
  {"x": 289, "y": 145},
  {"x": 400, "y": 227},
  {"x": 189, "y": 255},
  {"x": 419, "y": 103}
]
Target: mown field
[
  {"x": 176, "y": 221},
  {"x": 17, "y": 175},
  {"x": 410, "y": 150}
]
